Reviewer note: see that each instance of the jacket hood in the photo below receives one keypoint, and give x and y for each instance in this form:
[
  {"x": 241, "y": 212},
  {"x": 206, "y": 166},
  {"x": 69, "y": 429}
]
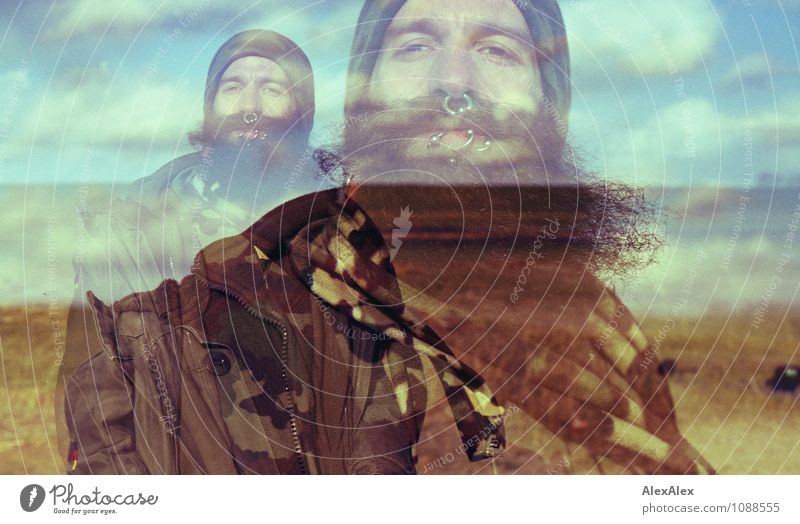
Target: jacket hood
[{"x": 325, "y": 245}]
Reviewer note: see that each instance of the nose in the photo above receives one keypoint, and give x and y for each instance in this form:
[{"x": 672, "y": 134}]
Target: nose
[
  {"x": 453, "y": 73},
  {"x": 249, "y": 101}
]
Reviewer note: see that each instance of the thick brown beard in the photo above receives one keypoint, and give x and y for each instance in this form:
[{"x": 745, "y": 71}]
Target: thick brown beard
[
  {"x": 255, "y": 169},
  {"x": 605, "y": 228},
  {"x": 216, "y": 131},
  {"x": 390, "y": 144}
]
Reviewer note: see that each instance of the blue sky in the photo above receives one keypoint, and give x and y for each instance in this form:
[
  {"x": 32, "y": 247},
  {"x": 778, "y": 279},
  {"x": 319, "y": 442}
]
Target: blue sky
[{"x": 666, "y": 92}]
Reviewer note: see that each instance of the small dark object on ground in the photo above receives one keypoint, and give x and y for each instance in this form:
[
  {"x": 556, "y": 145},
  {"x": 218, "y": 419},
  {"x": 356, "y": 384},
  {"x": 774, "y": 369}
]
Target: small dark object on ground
[
  {"x": 785, "y": 379},
  {"x": 667, "y": 366}
]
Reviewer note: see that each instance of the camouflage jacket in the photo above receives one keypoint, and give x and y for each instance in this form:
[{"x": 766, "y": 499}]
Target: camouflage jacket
[{"x": 170, "y": 395}]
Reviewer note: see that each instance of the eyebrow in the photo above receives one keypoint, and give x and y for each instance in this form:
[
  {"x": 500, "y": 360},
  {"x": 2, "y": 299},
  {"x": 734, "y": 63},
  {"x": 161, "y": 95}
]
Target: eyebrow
[
  {"x": 234, "y": 78},
  {"x": 420, "y": 25},
  {"x": 428, "y": 27},
  {"x": 241, "y": 80},
  {"x": 509, "y": 32}
]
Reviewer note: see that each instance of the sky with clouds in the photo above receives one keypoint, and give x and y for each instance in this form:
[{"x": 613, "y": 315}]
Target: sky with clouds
[{"x": 665, "y": 92}]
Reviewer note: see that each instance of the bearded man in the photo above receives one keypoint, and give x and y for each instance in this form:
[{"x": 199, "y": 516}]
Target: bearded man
[
  {"x": 253, "y": 155},
  {"x": 502, "y": 238}
]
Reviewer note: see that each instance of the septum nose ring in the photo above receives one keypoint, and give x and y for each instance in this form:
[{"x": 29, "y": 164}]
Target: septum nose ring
[
  {"x": 250, "y": 118},
  {"x": 467, "y": 104}
]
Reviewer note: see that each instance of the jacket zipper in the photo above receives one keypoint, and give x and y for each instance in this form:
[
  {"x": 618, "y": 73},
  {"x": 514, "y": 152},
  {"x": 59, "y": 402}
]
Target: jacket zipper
[{"x": 298, "y": 448}]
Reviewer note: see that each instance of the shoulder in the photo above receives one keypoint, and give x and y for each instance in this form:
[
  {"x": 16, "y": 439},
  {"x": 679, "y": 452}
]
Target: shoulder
[
  {"x": 129, "y": 314},
  {"x": 144, "y": 192},
  {"x": 148, "y": 189},
  {"x": 122, "y": 242}
]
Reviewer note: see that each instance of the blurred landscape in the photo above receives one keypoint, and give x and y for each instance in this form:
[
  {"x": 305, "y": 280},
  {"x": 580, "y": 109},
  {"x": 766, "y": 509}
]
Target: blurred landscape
[
  {"x": 698, "y": 96},
  {"x": 726, "y": 284}
]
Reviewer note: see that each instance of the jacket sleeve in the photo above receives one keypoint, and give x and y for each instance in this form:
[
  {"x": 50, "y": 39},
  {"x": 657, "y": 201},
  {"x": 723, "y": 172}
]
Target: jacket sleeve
[
  {"x": 385, "y": 435},
  {"x": 95, "y": 384},
  {"x": 98, "y": 406},
  {"x": 99, "y": 413}
]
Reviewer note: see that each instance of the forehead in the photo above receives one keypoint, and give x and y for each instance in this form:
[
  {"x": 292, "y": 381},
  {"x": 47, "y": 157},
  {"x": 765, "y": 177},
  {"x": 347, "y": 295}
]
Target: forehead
[
  {"x": 253, "y": 66},
  {"x": 466, "y": 16}
]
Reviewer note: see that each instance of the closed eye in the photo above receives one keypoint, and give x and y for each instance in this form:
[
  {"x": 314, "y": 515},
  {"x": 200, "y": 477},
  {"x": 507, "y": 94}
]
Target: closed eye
[
  {"x": 413, "y": 50},
  {"x": 231, "y": 87}
]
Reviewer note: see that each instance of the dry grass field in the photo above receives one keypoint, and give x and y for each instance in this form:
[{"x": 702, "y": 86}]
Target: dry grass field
[
  {"x": 722, "y": 406},
  {"x": 29, "y": 340}
]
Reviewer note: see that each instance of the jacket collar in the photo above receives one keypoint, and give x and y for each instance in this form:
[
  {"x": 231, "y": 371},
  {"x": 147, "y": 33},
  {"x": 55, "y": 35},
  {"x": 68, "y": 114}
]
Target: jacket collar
[{"x": 252, "y": 266}]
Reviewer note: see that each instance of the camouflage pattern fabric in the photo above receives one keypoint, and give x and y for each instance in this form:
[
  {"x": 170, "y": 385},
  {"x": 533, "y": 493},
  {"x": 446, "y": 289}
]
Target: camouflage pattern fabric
[
  {"x": 615, "y": 407},
  {"x": 603, "y": 398},
  {"x": 304, "y": 390},
  {"x": 248, "y": 361},
  {"x": 346, "y": 263},
  {"x": 344, "y": 299},
  {"x": 189, "y": 383}
]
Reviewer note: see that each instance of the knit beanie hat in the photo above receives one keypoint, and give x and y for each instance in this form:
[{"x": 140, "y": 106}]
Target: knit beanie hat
[
  {"x": 279, "y": 49},
  {"x": 547, "y": 33}
]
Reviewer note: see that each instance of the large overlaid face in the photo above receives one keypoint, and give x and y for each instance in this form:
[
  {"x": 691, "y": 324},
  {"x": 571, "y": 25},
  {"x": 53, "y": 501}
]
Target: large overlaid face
[
  {"x": 449, "y": 47},
  {"x": 254, "y": 84}
]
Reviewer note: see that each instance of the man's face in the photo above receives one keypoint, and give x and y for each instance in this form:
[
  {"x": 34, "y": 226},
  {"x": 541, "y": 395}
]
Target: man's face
[
  {"x": 456, "y": 87},
  {"x": 450, "y": 47},
  {"x": 250, "y": 86}
]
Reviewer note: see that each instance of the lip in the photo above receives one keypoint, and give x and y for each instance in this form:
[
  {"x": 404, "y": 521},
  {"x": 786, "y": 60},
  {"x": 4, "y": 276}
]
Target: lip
[
  {"x": 249, "y": 134},
  {"x": 455, "y": 138}
]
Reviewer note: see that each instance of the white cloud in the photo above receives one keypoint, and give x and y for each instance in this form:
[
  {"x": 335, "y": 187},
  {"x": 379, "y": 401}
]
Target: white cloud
[
  {"x": 81, "y": 17},
  {"x": 73, "y": 18},
  {"x": 326, "y": 40},
  {"x": 655, "y": 37},
  {"x": 317, "y": 24},
  {"x": 721, "y": 146},
  {"x": 17, "y": 78},
  {"x": 756, "y": 68},
  {"x": 15, "y": 84},
  {"x": 118, "y": 114},
  {"x": 785, "y": 4},
  {"x": 747, "y": 68}
]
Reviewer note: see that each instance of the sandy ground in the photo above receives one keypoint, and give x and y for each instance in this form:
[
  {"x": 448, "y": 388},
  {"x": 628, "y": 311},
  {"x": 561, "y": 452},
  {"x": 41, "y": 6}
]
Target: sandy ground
[{"x": 722, "y": 406}]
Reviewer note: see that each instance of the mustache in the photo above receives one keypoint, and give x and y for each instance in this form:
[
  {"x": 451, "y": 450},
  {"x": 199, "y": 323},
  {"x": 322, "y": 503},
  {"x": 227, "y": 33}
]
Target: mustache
[
  {"x": 378, "y": 121},
  {"x": 219, "y": 128},
  {"x": 395, "y": 139}
]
